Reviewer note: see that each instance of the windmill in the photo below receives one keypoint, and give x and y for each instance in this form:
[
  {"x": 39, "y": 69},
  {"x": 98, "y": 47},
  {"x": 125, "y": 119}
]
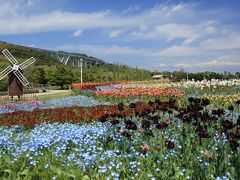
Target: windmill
[{"x": 16, "y": 79}]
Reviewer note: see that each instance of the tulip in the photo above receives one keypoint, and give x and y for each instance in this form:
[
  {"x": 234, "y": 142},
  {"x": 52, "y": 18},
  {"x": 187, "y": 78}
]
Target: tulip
[
  {"x": 145, "y": 148},
  {"x": 169, "y": 144},
  {"x": 208, "y": 154}
]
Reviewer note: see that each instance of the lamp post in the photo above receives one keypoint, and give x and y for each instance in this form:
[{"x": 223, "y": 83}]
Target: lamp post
[{"x": 81, "y": 65}]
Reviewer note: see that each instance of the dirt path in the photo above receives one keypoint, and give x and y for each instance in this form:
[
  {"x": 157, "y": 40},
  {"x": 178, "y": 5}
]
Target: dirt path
[{"x": 52, "y": 92}]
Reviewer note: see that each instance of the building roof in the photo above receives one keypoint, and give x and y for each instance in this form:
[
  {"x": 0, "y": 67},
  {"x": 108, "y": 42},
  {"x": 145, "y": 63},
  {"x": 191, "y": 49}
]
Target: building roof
[{"x": 158, "y": 76}]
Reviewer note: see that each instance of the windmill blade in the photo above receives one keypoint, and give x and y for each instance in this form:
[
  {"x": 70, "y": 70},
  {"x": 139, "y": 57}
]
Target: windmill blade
[
  {"x": 5, "y": 72},
  {"x": 9, "y": 56},
  {"x": 21, "y": 78},
  {"x": 27, "y": 63}
]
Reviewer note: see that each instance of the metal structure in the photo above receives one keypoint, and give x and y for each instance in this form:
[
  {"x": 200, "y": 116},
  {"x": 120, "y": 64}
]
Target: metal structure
[
  {"x": 15, "y": 72},
  {"x": 81, "y": 65},
  {"x": 74, "y": 59}
]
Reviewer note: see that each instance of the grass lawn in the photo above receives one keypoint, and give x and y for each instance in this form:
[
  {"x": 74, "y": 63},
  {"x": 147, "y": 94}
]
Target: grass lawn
[{"x": 45, "y": 97}]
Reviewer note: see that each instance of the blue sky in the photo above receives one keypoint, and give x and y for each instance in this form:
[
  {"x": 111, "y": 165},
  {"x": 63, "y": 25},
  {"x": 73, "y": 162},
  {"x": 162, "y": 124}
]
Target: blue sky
[{"x": 197, "y": 35}]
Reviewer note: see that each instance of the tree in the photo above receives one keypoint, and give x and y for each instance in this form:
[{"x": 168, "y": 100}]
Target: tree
[
  {"x": 39, "y": 76},
  {"x": 60, "y": 75},
  {"x": 3, "y": 82},
  {"x": 237, "y": 74}
]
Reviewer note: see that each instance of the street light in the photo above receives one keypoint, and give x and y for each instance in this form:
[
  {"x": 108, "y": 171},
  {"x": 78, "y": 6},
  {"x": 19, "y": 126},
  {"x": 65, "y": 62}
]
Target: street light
[{"x": 81, "y": 65}]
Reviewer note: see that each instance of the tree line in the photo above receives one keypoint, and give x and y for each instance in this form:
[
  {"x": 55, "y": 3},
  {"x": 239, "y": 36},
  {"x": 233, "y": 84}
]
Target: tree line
[
  {"x": 198, "y": 76},
  {"x": 61, "y": 75}
]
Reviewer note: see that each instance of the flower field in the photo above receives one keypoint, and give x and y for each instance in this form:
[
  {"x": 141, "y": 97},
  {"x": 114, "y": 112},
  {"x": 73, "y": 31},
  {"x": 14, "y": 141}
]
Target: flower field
[
  {"x": 130, "y": 130},
  {"x": 79, "y": 100},
  {"x": 141, "y": 92}
]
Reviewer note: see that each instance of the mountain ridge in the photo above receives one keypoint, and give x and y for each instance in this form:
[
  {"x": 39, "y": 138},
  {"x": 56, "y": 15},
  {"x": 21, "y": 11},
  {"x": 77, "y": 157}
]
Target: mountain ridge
[{"x": 44, "y": 56}]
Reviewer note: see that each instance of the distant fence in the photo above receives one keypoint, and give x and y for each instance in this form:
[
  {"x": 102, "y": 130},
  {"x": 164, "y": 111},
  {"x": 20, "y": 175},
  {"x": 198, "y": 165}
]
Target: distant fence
[
  {"x": 40, "y": 86},
  {"x": 32, "y": 88},
  {"x": 24, "y": 98}
]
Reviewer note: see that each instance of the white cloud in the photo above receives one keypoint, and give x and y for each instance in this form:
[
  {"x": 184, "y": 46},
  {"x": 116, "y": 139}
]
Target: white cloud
[
  {"x": 8, "y": 10},
  {"x": 182, "y": 65},
  {"x": 210, "y": 29},
  {"x": 178, "y": 7},
  {"x": 56, "y": 20},
  {"x": 179, "y": 27},
  {"x": 101, "y": 50},
  {"x": 132, "y": 8},
  {"x": 77, "y": 33},
  {"x": 221, "y": 61},
  {"x": 162, "y": 22},
  {"x": 115, "y": 33},
  {"x": 172, "y": 31},
  {"x": 32, "y": 2},
  {"x": 167, "y": 32},
  {"x": 161, "y": 65},
  {"x": 14, "y": 19},
  {"x": 98, "y": 50},
  {"x": 218, "y": 63},
  {"x": 180, "y": 51},
  {"x": 227, "y": 42}
]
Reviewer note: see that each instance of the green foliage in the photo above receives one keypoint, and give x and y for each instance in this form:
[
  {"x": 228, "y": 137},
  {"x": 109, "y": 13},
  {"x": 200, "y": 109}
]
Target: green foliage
[
  {"x": 60, "y": 75},
  {"x": 77, "y": 91},
  {"x": 39, "y": 76},
  {"x": 3, "y": 82},
  {"x": 3, "y": 85},
  {"x": 115, "y": 72},
  {"x": 23, "y": 53}
]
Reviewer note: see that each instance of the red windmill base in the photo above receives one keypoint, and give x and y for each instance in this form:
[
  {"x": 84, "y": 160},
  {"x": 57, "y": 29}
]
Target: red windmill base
[{"x": 15, "y": 87}]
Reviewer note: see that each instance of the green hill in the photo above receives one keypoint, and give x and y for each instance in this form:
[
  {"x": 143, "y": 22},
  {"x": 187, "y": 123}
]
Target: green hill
[
  {"x": 43, "y": 56},
  {"x": 22, "y": 53},
  {"x": 48, "y": 70}
]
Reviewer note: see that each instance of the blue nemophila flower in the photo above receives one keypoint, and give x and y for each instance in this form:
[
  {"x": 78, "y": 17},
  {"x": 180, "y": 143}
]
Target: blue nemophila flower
[
  {"x": 206, "y": 164},
  {"x": 149, "y": 175},
  {"x": 115, "y": 175},
  {"x": 58, "y": 138}
]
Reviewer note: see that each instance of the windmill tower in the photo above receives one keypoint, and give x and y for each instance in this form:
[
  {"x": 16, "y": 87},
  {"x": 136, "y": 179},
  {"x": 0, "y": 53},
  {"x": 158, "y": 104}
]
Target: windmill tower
[{"x": 16, "y": 79}]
